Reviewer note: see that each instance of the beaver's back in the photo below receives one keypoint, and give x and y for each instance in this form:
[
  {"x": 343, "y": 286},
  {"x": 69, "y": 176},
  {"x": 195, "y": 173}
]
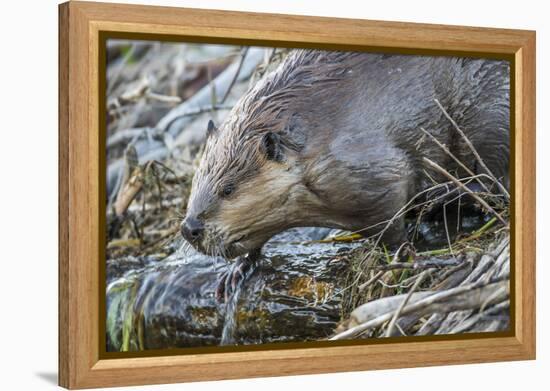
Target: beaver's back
[{"x": 364, "y": 111}]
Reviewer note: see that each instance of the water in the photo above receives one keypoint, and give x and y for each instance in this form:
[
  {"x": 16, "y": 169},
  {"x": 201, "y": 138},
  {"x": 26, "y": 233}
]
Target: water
[{"x": 230, "y": 318}]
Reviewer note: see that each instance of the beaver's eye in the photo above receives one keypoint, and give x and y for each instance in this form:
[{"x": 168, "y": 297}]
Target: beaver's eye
[{"x": 228, "y": 190}]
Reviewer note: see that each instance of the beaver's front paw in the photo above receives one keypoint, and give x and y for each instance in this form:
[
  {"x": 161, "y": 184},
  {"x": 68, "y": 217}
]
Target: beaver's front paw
[{"x": 235, "y": 275}]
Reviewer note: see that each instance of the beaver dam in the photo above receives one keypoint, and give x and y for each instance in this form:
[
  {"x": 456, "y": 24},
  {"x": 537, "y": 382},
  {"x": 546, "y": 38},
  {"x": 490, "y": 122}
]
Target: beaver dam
[{"x": 450, "y": 275}]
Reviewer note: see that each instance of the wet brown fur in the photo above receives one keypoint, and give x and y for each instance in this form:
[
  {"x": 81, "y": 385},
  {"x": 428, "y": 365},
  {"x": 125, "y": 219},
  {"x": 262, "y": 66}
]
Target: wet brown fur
[{"x": 349, "y": 143}]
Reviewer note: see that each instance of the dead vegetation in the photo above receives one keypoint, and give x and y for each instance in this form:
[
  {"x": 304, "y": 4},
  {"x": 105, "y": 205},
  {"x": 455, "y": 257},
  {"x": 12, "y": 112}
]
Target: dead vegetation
[{"x": 462, "y": 287}]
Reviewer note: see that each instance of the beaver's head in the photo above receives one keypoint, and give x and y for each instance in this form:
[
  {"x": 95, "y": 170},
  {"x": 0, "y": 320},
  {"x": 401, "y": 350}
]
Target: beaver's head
[{"x": 245, "y": 185}]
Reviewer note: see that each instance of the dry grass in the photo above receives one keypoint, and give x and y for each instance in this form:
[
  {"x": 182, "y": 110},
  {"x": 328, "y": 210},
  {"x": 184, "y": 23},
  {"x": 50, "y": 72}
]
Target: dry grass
[{"x": 462, "y": 287}]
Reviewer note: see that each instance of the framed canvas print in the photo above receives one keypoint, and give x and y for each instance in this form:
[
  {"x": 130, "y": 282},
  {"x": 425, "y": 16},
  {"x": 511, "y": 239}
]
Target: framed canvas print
[{"x": 247, "y": 195}]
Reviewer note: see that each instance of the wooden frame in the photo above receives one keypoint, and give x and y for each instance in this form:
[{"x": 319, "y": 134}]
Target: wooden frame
[{"x": 80, "y": 24}]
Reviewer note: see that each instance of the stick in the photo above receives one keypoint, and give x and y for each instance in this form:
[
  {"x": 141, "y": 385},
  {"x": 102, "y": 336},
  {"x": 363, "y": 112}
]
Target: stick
[
  {"x": 427, "y": 264},
  {"x": 448, "y": 152},
  {"x": 447, "y": 230},
  {"x": 371, "y": 281},
  {"x": 114, "y": 78},
  {"x": 441, "y": 170},
  {"x": 197, "y": 111},
  {"x": 228, "y": 91},
  {"x": 162, "y": 98},
  {"x": 474, "y": 151},
  {"x": 404, "y": 303},
  {"x": 435, "y": 303}
]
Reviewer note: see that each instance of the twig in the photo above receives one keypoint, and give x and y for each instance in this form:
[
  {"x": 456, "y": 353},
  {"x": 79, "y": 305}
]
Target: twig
[
  {"x": 434, "y": 303},
  {"x": 162, "y": 98},
  {"x": 477, "y": 233},
  {"x": 129, "y": 192},
  {"x": 120, "y": 67},
  {"x": 447, "y": 230},
  {"x": 371, "y": 281},
  {"x": 335, "y": 239},
  {"x": 448, "y": 152},
  {"x": 404, "y": 303},
  {"x": 393, "y": 286},
  {"x": 376, "y": 277},
  {"x": 122, "y": 136},
  {"x": 241, "y": 61},
  {"x": 197, "y": 111},
  {"x": 474, "y": 151},
  {"x": 425, "y": 264},
  {"x": 468, "y": 323},
  {"x": 441, "y": 170}
]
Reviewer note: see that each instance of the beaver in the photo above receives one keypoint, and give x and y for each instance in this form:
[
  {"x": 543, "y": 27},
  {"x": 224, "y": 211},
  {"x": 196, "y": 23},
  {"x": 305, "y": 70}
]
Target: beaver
[{"x": 333, "y": 139}]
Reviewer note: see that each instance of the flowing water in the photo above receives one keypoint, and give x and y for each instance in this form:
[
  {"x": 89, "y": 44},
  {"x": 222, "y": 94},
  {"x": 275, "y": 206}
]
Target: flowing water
[{"x": 230, "y": 318}]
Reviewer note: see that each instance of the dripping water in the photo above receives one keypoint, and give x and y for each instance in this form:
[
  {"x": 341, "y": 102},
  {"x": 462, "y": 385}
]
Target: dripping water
[{"x": 230, "y": 319}]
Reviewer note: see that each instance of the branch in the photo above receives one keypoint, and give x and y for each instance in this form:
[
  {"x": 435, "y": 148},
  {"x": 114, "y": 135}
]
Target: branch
[
  {"x": 474, "y": 151},
  {"x": 241, "y": 62},
  {"x": 448, "y": 152},
  {"x": 464, "y": 297},
  {"x": 421, "y": 264},
  {"x": 441, "y": 170},
  {"x": 404, "y": 303}
]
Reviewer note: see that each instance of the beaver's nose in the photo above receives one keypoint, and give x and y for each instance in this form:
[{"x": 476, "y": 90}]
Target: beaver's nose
[{"x": 192, "y": 229}]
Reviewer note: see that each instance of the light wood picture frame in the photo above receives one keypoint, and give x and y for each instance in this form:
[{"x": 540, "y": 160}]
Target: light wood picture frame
[{"x": 82, "y": 29}]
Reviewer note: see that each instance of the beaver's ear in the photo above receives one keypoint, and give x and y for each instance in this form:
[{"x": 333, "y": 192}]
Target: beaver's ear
[
  {"x": 271, "y": 145},
  {"x": 211, "y": 128}
]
